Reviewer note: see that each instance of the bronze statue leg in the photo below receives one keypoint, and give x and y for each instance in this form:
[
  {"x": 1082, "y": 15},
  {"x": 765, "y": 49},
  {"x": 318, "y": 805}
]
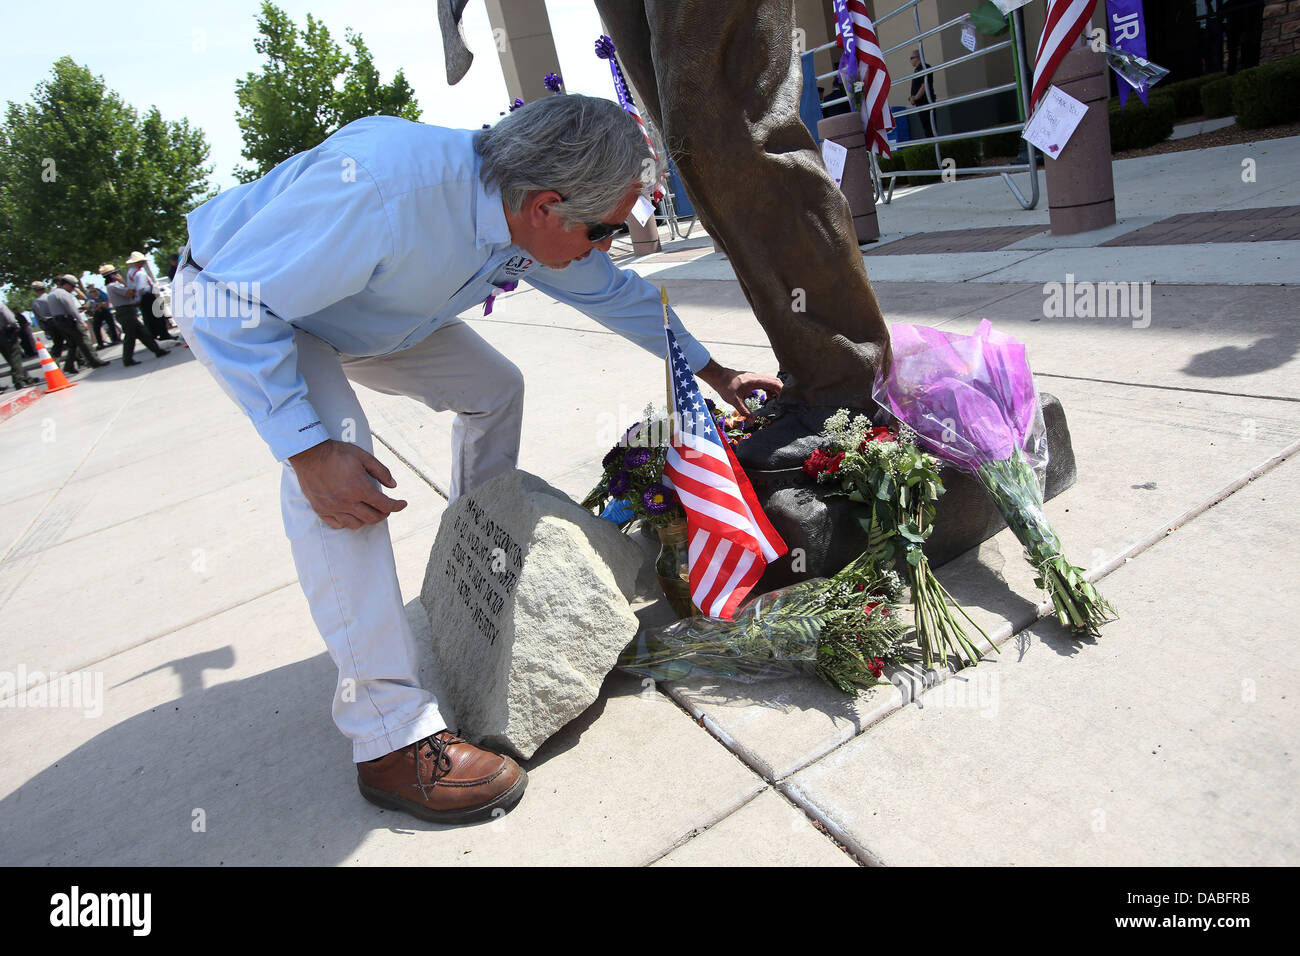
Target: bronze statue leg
[{"x": 722, "y": 82}]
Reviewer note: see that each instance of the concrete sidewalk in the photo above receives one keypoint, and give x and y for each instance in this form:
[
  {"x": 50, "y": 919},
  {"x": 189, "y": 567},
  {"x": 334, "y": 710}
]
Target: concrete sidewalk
[{"x": 142, "y": 548}]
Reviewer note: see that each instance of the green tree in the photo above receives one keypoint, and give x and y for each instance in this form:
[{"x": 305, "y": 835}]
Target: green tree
[
  {"x": 308, "y": 88},
  {"x": 84, "y": 180},
  {"x": 19, "y": 299}
]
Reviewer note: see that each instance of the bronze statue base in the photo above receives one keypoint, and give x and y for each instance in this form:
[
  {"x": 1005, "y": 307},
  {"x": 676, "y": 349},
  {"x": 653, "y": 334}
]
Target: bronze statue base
[{"x": 824, "y": 535}]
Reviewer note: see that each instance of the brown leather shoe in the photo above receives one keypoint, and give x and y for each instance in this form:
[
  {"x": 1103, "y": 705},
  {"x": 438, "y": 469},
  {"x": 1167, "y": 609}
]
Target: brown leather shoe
[{"x": 443, "y": 779}]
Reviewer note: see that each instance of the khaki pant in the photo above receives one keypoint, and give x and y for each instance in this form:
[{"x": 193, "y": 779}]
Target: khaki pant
[{"x": 350, "y": 577}]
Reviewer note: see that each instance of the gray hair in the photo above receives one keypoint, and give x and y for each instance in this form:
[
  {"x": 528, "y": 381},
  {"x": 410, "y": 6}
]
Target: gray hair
[{"x": 587, "y": 149}]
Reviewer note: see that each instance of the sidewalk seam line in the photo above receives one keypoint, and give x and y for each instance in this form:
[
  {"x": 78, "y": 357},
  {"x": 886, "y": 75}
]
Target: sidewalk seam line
[
  {"x": 1045, "y": 609},
  {"x": 703, "y": 828},
  {"x": 428, "y": 480},
  {"x": 146, "y": 640},
  {"x": 75, "y": 468},
  {"x": 1169, "y": 388}
]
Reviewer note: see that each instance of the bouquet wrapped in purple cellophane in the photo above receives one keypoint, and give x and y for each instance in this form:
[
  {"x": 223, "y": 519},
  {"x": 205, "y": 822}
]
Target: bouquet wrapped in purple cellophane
[{"x": 972, "y": 399}]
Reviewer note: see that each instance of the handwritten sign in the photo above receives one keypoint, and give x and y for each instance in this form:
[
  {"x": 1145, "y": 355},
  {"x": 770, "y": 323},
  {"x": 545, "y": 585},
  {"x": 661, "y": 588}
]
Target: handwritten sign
[
  {"x": 643, "y": 210},
  {"x": 834, "y": 155},
  {"x": 1054, "y": 122},
  {"x": 968, "y": 34}
]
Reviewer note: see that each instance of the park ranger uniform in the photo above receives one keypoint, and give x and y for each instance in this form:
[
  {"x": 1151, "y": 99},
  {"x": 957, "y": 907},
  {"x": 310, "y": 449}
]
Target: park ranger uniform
[
  {"x": 41, "y": 309},
  {"x": 352, "y": 261},
  {"x": 64, "y": 316},
  {"x": 128, "y": 317},
  {"x": 11, "y": 347}
]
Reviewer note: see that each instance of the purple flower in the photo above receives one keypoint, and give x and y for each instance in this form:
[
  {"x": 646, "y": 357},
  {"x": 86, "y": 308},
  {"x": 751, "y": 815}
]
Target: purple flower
[
  {"x": 604, "y": 47},
  {"x": 759, "y": 394},
  {"x": 657, "y": 499},
  {"x": 553, "y": 82},
  {"x": 612, "y": 457},
  {"x": 970, "y": 398},
  {"x": 516, "y": 104},
  {"x": 620, "y": 483},
  {"x": 635, "y": 458}
]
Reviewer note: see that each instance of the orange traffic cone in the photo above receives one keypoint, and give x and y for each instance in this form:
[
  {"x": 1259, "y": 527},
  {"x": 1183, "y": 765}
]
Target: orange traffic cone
[{"x": 54, "y": 377}]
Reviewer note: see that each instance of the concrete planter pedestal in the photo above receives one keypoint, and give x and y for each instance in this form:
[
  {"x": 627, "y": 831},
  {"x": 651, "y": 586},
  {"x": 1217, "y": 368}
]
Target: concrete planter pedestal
[{"x": 846, "y": 130}]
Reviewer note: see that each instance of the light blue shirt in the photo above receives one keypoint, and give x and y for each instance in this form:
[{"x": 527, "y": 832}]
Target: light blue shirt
[{"x": 371, "y": 241}]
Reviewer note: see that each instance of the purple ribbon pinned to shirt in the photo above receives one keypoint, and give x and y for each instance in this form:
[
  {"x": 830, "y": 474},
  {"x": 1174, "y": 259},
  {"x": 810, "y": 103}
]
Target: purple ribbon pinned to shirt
[{"x": 504, "y": 287}]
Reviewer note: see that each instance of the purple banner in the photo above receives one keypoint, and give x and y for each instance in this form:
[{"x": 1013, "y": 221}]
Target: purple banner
[
  {"x": 848, "y": 65},
  {"x": 1128, "y": 32}
]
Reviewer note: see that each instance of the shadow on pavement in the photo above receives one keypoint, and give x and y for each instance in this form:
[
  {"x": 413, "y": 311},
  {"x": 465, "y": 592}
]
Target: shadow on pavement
[{"x": 1268, "y": 353}]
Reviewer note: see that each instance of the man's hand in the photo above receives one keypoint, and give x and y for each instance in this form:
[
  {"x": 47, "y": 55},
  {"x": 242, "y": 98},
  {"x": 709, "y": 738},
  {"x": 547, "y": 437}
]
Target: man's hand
[
  {"x": 734, "y": 387},
  {"x": 338, "y": 479}
]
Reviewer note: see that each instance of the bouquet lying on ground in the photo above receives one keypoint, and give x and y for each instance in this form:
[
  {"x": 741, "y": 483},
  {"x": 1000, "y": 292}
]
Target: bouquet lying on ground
[
  {"x": 897, "y": 484},
  {"x": 972, "y": 399},
  {"x": 844, "y": 629}
]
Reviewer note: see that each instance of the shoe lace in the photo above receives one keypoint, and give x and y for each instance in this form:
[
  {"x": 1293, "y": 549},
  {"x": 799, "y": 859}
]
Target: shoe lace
[{"x": 435, "y": 748}]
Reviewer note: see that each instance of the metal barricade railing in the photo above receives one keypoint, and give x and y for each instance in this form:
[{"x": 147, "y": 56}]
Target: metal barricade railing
[{"x": 1019, "y": 84}]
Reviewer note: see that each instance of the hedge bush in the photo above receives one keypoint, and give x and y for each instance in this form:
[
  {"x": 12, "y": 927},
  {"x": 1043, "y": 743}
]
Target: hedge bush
[
  {"x": 966, "y": 153},
  {"x": 1216, "y": 98},
  {"x": 1001, "y": 144},
  {"x": 890, "y": 164},
  {"x": 1187, "y": 94},
  {"x": 1267, "y": 95},
  {"x": 916, "y": 157},
  {"x": 1138, "y": 126}
]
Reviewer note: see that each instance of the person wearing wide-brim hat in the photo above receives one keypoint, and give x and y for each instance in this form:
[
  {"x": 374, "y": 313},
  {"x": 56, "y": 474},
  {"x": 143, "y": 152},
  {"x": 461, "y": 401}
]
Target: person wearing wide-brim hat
[
  {"x": 65, "y": 316},
  {"x": 99, "y": 315},
  {"x": 139, "y": 278},
  {"x": 123, "y": 299}
]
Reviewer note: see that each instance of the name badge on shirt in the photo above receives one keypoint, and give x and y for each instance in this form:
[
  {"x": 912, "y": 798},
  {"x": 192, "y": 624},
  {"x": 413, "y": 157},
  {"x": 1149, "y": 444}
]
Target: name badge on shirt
[{"x": 516, "y": 266}]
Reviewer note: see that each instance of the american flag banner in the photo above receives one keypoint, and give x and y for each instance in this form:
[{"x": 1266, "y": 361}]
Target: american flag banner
[
  {"x": 877, "y": 118},
  {"x": 1066, "y": 19},
  {"x": 730, "y": 539}
]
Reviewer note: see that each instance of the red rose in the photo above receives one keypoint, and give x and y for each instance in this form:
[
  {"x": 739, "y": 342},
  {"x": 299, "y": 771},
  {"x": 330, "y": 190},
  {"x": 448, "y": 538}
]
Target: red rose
[
  {"x": 834, "y": 464},
  {"x": 816, "y": 463},
  {"x": 876, "y": 666},
  {"x": 866, "y": 611}
]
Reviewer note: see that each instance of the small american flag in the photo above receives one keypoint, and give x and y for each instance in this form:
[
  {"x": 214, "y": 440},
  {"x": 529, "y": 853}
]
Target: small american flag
[
  {"x": 731, "y": 541},
  {"x": 1065, "y": 21},
  {"x": 876, "y": 115}
]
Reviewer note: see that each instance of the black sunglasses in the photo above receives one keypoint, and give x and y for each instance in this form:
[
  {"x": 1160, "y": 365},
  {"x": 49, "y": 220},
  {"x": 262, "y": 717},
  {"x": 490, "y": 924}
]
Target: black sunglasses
[{"x": 600, "y": 231}]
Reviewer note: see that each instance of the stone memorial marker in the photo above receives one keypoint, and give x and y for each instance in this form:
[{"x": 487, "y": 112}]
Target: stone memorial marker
[{"x": 528, "y": 602}]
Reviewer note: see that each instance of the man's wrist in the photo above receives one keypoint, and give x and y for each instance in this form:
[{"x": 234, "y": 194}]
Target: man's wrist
[
  {"x": 307, "y": 454},
  {"x": 712, "y": 374}
]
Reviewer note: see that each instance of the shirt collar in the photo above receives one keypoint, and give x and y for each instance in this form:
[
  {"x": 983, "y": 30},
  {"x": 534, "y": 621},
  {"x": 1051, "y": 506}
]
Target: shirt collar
[{"x": 490, "y": 226}]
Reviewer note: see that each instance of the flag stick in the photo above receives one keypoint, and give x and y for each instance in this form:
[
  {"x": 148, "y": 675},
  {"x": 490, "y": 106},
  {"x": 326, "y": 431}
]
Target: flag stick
[{"x": 668, "y": 367}]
